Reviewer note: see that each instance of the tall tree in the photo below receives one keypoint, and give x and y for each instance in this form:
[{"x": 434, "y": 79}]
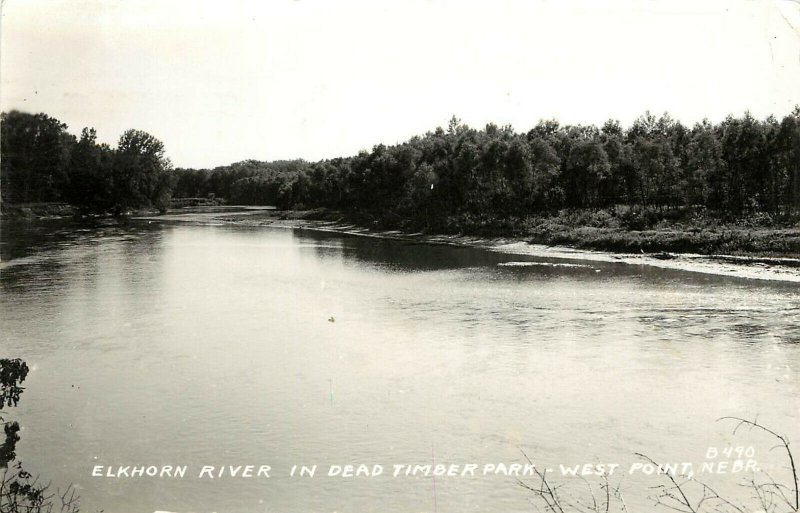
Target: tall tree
[
  {"x": 141, "y": 172},
  {"x": 587, "y": 168},
  {"x": 35, "y": 151},
  {"x": 89, "y": 174},
  {"x": 789, "y": 151}
]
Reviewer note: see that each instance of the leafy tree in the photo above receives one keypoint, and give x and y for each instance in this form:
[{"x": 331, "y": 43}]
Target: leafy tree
[
  {"x": 90, "y": 174},
  {"x": 141, "y": 174},
  {"x": 788, "y": 150},
  {"x": 19, "y": 491},
  {"x": 546, "y": 192},
  {"x": 587, "y": 168},
  {"x": 35, "y": 151},
  {"x": 703, "y": 181},
  {"x": 743, "y": 141},
  {"x": 656, "y": 168},
  {"x": 12, "y": 374}
]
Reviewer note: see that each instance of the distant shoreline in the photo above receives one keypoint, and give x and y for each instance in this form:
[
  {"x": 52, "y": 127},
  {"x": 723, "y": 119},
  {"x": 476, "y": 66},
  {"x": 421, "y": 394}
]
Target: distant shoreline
[
  {"x": 751, "y": 245},
  {"x": 670, "y": 248},
  {"x": 744, "y": 265}
]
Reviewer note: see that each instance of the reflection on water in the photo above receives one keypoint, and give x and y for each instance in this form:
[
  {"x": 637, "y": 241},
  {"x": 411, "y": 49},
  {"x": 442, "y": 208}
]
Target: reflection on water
[{"x": 206, "y": 345}]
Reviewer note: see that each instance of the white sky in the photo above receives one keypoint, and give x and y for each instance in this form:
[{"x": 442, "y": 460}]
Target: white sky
[{"x": 225, "y": 81}]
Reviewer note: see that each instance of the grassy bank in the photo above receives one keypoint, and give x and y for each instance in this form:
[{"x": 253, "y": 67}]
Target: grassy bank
[
  {"x": 716, "y": 241},
  {"x": 620, "y": 230},
  {"x": 702, "y": 236}
]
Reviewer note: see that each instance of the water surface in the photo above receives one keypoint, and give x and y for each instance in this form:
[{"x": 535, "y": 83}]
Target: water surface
[{"x": 211, "y": 345}]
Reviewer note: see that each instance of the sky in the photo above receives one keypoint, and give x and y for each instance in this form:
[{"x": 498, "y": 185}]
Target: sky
[{"x": 224, "y": 81}]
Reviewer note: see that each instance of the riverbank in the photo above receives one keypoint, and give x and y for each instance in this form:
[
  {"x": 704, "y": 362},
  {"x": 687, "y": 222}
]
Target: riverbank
[
  {"x": 765, "y": 265},
  {"x": 753, "y": 240},
  {"x": 34, "y": 211}
]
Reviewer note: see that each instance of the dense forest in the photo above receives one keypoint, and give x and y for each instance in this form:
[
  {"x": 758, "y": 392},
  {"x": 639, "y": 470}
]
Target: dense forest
[
  {"x": 461, "y": 178},
  {"x": 42, "y": 162},
  {"x": 453, "y": 179}
]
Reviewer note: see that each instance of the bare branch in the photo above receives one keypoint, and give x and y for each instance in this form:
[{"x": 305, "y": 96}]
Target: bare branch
[{"x": 784, "y": 441}]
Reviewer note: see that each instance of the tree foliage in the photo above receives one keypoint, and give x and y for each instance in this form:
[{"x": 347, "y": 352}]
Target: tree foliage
[
  {"x": 35, "y": 153},
  {"x": 140, "y": 172},
  {"x": 447, "y": 179},
  {"x": 42, "y": 162},
  {"x": 454, "y": 178},
  {"x": 19, "y": 490}
]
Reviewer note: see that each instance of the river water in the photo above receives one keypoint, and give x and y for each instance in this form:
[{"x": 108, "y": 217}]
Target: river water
[{"x": 176, "y": 344}]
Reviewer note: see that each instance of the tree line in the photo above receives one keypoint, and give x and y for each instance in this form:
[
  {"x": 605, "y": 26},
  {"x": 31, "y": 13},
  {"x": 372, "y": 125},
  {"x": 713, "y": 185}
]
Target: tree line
[
  {"x": 452, "y": 178},
  {"x": 460, "y": 177},
  {"x": 42, "y": 162}
]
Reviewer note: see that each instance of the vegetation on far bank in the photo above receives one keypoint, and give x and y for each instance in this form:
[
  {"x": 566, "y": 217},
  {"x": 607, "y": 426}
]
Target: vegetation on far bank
[
  {"x": 622, "y": 229},
  {"x": 461, "y": 179},
  {"x": 658, "y": 185},
  {"x": 43, "y": 163}
]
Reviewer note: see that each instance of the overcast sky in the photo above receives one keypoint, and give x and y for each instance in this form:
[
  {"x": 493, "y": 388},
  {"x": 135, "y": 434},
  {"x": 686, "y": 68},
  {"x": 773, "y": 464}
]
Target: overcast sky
[{"x": 225, "y": 81}]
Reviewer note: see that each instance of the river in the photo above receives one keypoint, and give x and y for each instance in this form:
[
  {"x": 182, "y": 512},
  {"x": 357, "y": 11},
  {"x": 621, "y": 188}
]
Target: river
[{"x": 174, "y": 344}]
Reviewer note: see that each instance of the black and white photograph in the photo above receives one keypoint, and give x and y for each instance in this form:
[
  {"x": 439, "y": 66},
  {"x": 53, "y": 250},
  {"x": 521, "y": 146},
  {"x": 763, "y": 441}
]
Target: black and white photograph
[{"x": 399, "y": 256}]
